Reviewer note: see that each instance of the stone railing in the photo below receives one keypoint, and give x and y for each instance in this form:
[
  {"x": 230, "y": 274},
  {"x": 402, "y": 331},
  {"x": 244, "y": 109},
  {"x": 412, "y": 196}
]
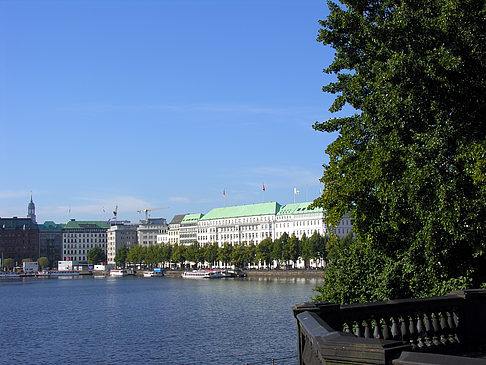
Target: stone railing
[{"x": 398, "y": 332}]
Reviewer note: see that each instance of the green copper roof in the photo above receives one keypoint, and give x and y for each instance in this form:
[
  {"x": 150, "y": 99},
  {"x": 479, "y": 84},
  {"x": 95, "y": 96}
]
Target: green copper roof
[
  {"x": 191, "y": 218},
  {"x": 86, "y": 224},
  {"x": 298, "y": 208},
  {"x": 243, "y": 211},
  {"x": 50, "y": 226}
]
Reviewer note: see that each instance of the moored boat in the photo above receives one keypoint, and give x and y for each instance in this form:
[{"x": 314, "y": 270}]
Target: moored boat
[
  {"x": 202, "y": 274},
  {"x": 155, "y": 273},
  {"x": 121, "y": 272}
]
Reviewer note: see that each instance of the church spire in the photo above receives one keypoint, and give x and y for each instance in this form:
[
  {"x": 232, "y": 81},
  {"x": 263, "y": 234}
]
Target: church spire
[{"x": 31, "y": 210}]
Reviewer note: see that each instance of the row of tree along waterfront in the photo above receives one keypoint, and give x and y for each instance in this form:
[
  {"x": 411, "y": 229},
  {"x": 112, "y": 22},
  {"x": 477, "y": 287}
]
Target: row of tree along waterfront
[{"x": 287, "y": 250}]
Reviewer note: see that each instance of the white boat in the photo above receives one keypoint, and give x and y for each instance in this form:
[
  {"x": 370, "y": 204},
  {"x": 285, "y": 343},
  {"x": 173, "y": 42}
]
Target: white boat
[
  {"x": 202, "y": 274},
  {"x": 156, "y": 273},
  {"x": 121, "y": 272},
  {"x": 55, "y": 273}
]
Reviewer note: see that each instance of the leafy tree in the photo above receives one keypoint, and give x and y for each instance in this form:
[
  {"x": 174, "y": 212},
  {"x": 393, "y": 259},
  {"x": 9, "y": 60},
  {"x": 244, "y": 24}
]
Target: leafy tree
[
  {"x": 409, "y": 163},
  {"x": 9, "y": 263},
  {"x": 294, "y": 249},
  {"x": 179, "y": 254},
  {"x": 136, "y": 254},
  {"x": 43, "y": 262},
  {"x": 277, "y": 248},
  {"x": 225, "y": 253},
  {"x": 96, "y": 255},
  {"x": 264, "y": 251},
  {"x": 250, "y": 253},
  {"x": 305, "y": 249},
  {"x": 211, "y": 253},
  {"x": 165, "y": 253},
  {"x": 121, "y": 255},
  {"x": 239, "y": 255}
]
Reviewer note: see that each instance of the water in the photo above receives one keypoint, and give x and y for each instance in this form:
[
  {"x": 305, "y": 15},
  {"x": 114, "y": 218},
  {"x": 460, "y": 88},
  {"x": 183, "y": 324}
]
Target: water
[{"x": 150, "y": 320}]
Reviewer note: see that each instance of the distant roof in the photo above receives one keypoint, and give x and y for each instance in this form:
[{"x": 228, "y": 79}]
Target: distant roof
[
  {"x": 191, "y": 218},
  {"x": 73, "y": 224},
  {"x": 17, "y": 223},
  {"x": 177, "y": 219},
  {"x": 298, "y": 208},
  {"x": 50, "y": 226},
  {"x": 243, "y": 211}
]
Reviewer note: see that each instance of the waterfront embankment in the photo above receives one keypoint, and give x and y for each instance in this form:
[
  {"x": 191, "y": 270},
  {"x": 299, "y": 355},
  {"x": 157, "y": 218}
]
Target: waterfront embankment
[{"x": 265, "y": 273}]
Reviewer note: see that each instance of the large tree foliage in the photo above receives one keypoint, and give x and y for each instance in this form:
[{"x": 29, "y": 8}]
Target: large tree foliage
[
  {"x": 96, "y": 255},
  {"x": 410, "y": 163}
]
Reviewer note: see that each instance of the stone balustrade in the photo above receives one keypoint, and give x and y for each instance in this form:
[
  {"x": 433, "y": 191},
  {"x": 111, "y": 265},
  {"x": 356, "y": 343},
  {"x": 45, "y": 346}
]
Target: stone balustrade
[{"x": 387, "y": 332}]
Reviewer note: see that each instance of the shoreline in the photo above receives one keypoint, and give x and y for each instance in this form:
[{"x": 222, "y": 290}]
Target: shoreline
[{"x": 265, "y": 273}]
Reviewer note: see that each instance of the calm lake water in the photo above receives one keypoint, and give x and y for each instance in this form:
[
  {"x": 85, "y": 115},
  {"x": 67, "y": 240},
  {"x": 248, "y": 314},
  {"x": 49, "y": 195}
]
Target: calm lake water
[{"x": 150, "y": 320}]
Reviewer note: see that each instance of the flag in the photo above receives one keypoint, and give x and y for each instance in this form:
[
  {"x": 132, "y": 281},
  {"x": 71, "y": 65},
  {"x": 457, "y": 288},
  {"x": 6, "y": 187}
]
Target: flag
[
  {"x": 69, "y": 209},
  {"x": 263, "y": 187},
  {"x": 224, "y": 193},
  {"x": 296, "y": 191},
  {"x": 115, "y": 211},
  {"x": 103, "y": 209}
]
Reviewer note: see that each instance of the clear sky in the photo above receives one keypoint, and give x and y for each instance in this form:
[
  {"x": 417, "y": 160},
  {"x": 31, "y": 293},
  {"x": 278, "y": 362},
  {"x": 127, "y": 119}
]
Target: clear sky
[{"x": 147, "y": 104}]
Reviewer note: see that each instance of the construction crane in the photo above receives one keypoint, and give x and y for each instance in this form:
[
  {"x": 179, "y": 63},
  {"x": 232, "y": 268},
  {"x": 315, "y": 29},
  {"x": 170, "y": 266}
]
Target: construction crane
[{"x": 147, "y": 210}]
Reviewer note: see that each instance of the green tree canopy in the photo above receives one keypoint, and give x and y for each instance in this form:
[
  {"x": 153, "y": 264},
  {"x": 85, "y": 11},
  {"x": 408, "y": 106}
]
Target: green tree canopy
[
  {"x": 121, "y": 255},
  {"x": 264, "y": 251},
  {"x": 96, "y": 255},
  {"x": 409, "y": 163},
  {"x": 43, "y": 262},
  {"x": 9, "y": 263}
]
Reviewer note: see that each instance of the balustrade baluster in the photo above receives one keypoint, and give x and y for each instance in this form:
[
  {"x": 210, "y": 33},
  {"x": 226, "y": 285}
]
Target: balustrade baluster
[
  {"x": 435, "y": 326},
  {"x": 456, "y": 321},
  {"x": 377, "y": 333},
  {"x": 386, "y": 329},
  {"x": 420, "y": 331},
  {"x": 412, "y": 329},
  {"x": 404, "y": 329},
  {"x": 394, "y": 330},
  {"x": 367, "y": 332},
  {"x": 452, "y": 327},
  {"x": 359, "y": 329},
  {"x": 347, "y": 327},
  {"x": 429, "y": 332},
  {"x": 444, "y": 329}
]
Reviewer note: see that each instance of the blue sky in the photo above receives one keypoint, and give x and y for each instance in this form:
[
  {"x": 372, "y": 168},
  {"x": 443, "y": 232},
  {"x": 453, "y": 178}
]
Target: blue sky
[{"x": 159, "y": 103}]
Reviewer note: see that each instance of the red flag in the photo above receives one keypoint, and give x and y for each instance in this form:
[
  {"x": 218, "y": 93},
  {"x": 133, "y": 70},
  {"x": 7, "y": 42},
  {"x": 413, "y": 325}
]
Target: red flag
[
  {"x": 224, "y": 193},
  {"x": 263, "y": 187}
]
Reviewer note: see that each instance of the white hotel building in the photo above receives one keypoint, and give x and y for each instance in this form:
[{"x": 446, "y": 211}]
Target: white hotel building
[
  {"x": 255, "y": 222},
  {"x": 120, "y": 235},
  {"x": 78, "y": 237}
]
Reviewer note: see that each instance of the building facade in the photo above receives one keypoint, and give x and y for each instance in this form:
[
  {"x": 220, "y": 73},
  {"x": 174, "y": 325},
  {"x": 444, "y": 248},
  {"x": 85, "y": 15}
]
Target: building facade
[
  {"x": 81, "y": 236},
  {"x": 188, "y": 229},
  {"x": 149, "y": 229},
  {"x": 50, "y": 242},
  {"x": 296, "y": 219},
  {"x": 117, "y": 236},
  {"x": 237, "y": 224},
  {"x": 19, "y": 239}
]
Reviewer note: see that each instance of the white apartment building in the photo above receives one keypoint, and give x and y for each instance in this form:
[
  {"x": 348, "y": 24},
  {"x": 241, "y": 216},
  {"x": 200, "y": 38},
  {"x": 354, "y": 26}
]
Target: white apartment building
[
  {"x": 188, "y": 229},
  {"x": 297, "y": 219},
  {"x": 243, "y": 223},
  {"x": 149, "y": 229},
  {"x": 172, "y": 234},
  {"x": 79, "y": 237},
  {"x": 344, "y": 227},
  {"x": 119, "y": 235}
]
